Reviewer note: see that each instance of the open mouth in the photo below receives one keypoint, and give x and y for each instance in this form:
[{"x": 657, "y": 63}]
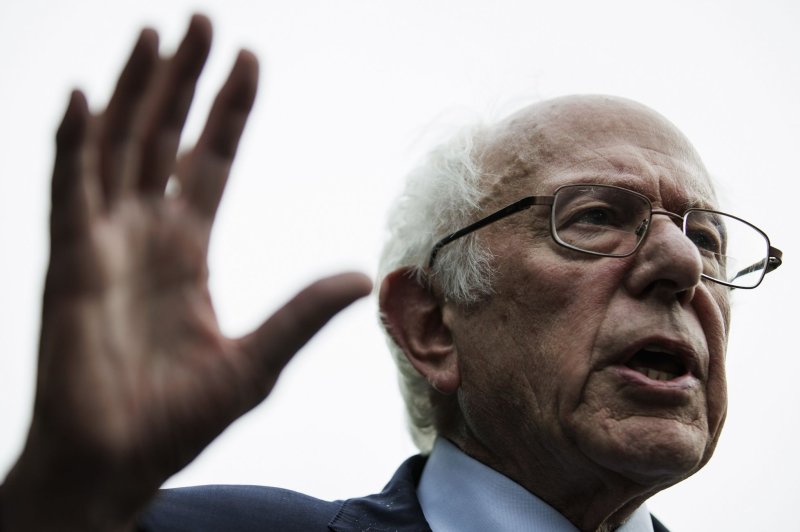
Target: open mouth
[{"x": 657, "y": 363}]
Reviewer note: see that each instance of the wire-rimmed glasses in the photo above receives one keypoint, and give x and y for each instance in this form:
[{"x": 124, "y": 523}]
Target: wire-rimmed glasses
[{"x": 611, "y": 221}]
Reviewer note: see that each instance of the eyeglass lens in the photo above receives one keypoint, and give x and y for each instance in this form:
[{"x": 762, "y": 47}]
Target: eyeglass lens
[
  {"x": 733, "y": 251},
  {"x": 612, "y": 221},
  {"x": 605, "y": 220}
]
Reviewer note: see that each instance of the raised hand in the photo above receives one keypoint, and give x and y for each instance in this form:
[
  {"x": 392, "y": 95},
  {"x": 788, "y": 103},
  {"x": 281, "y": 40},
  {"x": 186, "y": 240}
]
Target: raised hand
[{"x": 135, "y": 377}]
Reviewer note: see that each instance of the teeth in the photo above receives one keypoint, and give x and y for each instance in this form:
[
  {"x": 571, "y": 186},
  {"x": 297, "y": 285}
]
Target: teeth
[
  {"x": 655, "y": 374},
  {"x": 660, "y": 375}
]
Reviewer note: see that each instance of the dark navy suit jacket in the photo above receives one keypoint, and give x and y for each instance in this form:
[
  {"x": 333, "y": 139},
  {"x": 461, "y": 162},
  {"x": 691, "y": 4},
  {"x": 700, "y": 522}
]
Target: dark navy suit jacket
[{"x": 262, "y": 509}]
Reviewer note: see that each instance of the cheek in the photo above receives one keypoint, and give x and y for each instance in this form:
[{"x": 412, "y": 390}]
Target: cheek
[
  {"x": 720, "y": 307},
  {"x": 552, "y": 311},
  {"x": 717, "y": 399},
  {"x": 713, "y": 307},
  {"x": 529, "y": 347},
  {"x": 562, "y": 302}
]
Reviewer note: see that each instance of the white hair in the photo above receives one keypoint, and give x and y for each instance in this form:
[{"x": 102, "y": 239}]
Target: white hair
[{"x": 441, "y": 196}]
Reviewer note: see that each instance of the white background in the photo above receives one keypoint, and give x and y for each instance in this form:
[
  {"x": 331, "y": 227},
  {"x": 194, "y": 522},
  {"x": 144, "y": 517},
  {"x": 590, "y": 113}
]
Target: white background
[{"x": 351, "y": 92}]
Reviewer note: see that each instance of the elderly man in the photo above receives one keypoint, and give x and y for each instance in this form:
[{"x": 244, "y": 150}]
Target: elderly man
[{"x": 555, "y": 289}]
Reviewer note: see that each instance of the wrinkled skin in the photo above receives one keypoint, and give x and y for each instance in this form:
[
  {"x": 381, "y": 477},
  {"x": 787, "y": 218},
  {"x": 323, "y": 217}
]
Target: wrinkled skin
[
  {"x": 135, "y": 378},
  {"x": 536, "y": 372}
]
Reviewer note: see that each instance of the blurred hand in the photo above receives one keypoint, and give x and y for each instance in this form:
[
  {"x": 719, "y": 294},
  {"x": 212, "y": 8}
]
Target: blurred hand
[{"x": 135, "y": 377}]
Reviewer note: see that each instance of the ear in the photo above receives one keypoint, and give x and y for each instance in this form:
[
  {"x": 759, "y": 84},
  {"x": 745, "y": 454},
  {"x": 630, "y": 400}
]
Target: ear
[{"x": 413, "y": 317}]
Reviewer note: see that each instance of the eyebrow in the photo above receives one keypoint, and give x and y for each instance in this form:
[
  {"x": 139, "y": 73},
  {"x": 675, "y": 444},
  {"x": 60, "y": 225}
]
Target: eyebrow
[
  {"x": 629, "y": 181},
  {"x": 698, "y": 204}
]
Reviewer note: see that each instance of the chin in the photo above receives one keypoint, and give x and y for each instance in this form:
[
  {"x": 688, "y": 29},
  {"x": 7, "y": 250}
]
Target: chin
[{"x": 651, "y": 454}]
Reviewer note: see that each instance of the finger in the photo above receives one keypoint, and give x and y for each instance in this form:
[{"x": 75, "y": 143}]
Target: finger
[
  {"x": 169, "y": 108},
  {"x": 211, "y": 159},
  {"x": 274, "y": 343},
  {"x": 116, "y": 155},
  {"x": 174, "y": 184},
  {"x": 74, "y": 192}
]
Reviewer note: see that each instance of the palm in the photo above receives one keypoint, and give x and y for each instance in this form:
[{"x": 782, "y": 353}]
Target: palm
[
  {"x": 131, "y": 325},
  {"x": 135, "y": 377}
]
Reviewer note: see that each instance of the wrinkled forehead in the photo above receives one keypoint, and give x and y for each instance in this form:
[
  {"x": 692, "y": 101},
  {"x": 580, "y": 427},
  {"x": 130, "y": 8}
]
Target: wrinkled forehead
[{"x": 593, "y": 139}]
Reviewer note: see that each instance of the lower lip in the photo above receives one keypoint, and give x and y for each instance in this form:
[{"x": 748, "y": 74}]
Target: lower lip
[{"x": 677, "y": 387}]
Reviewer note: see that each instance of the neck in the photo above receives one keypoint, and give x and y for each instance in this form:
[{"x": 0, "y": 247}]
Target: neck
[{"x": 591, "y": 500}]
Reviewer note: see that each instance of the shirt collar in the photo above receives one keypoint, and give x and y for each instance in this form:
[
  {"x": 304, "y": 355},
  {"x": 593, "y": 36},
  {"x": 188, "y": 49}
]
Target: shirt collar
[{"x": 459, "y": 494}]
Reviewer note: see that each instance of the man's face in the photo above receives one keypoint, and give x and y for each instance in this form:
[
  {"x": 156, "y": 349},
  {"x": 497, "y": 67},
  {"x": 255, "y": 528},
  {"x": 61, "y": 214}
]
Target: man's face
[{"x": 554, "y": 365}]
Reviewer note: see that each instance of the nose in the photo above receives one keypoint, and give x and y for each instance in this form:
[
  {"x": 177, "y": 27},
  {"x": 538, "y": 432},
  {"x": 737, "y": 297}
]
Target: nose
[{"x": 667, "y": 265}]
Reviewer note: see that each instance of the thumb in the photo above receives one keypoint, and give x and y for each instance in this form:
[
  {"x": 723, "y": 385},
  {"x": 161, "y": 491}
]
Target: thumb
[{"x": 271, "y": 346}]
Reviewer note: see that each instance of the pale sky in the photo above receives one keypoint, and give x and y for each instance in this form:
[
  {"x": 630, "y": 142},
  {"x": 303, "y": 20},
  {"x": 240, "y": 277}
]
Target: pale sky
[{"x": 353, "y": 92}]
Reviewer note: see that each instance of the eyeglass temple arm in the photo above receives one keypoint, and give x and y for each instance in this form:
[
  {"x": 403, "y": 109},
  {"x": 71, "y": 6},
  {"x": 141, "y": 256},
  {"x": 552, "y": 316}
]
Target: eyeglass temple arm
[
  {"x": 773, "y": 261},
  {"x": 515, "y": 207}
]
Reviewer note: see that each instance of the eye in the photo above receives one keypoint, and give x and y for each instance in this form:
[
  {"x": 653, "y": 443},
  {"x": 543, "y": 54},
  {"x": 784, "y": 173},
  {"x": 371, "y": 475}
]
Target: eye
[
  {"x": 705, "y": 239},
  {"x": 595, "y": 216}
]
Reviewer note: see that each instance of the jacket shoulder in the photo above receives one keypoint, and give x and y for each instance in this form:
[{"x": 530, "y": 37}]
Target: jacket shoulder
[
  {"x": 236, "y": 508},
  {"x": 263, "y": 509}
]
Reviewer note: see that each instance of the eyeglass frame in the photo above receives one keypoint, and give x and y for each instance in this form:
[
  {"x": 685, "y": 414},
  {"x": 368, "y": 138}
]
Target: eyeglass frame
[{"x": 774, "y": 255}]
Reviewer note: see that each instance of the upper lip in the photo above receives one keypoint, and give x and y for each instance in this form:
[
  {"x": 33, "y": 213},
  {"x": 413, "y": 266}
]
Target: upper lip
[{"x": 678, "y": 348}]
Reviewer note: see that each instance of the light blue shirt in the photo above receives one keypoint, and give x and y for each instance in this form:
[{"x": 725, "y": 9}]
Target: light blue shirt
[{"x": 459, "y": 494}]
